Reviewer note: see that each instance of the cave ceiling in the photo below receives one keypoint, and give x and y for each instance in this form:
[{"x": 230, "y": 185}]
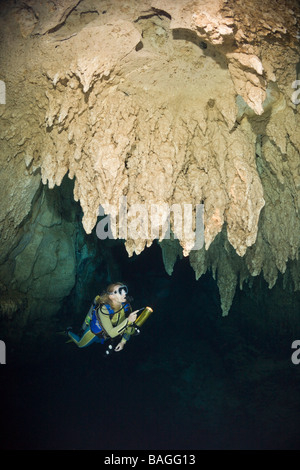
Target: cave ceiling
[{"x": 162, "y": 103}]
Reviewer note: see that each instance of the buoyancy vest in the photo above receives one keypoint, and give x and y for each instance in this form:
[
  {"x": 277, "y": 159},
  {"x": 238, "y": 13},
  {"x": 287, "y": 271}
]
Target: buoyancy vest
[{"x": 95, "y": 324}]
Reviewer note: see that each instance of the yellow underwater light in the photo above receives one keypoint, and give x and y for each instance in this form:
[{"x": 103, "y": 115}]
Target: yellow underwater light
[{"x": 143, "y": 316}]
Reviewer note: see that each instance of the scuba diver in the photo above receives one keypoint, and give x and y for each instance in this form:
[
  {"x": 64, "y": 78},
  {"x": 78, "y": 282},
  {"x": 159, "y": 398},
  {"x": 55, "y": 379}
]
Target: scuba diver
[{"x": 110, "y": 316}]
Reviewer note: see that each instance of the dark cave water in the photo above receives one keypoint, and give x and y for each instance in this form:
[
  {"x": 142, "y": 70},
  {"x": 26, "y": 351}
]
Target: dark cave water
[{"x": 191, "y": 380}]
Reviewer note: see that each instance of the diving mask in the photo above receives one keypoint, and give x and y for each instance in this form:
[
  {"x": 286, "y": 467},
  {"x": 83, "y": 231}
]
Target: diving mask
[{"x": 120, "y": 290}]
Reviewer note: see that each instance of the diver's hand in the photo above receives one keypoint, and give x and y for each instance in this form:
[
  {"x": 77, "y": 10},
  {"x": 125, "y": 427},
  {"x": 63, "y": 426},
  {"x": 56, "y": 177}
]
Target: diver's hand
[
  {"x": 132, "y": 316},
  {"x": 120, "y": 346}
]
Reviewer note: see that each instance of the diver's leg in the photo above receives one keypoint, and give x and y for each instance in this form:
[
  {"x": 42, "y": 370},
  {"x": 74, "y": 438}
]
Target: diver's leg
[{"x": 86, "y": 339}]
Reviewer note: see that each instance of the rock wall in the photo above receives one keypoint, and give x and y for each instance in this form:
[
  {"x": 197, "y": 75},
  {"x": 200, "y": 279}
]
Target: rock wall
[{"x": 163, "y": 102}]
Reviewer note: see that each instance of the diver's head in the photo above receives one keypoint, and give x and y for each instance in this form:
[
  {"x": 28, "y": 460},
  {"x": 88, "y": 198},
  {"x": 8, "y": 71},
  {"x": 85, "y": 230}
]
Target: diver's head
[{"x": 117, "y": 292}]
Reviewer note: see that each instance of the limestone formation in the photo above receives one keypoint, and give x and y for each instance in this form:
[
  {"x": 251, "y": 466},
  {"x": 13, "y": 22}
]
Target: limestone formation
[{"x": 186, "y": 102}]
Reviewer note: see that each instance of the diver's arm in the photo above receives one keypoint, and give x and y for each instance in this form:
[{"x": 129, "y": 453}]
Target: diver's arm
[{"x": 111, "y": 330}]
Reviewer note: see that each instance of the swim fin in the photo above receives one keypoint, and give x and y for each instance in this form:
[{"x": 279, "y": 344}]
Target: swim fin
[{"x": 65, "y": 333}]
